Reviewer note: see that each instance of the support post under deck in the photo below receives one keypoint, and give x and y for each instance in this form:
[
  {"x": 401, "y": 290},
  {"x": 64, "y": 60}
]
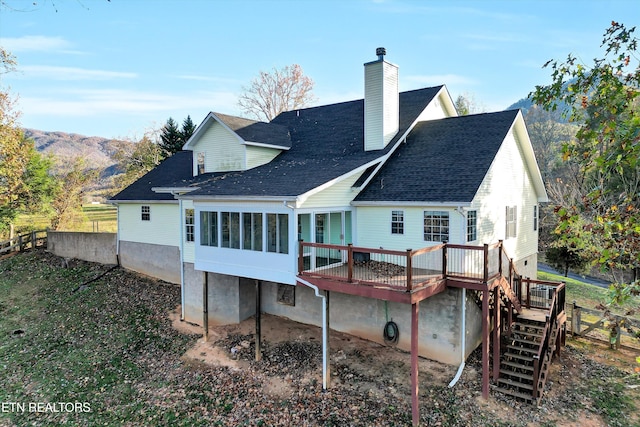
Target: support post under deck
[
  {"x": 495, "y": 364},
  {"x": 485, "y": 344},
  {"x": 205, "y": 306},
  {"x": 415, "y": 408},
  {"x": 258, "y": 322}
]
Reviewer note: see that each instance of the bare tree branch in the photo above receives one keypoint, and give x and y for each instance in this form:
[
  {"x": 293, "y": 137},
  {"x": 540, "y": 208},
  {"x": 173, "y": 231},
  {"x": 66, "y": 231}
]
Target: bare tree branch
[{"x": 273, "y": 92}]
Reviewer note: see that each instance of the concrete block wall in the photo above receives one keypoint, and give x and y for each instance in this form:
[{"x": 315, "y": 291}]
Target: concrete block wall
[
  {"x": 232, "y": 299},
  {"x": 159, "y": 261},
  {"x": 93, "y": 247}
]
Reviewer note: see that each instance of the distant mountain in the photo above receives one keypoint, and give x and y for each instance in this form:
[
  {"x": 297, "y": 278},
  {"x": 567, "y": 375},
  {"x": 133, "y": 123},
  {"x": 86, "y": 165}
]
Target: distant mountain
[{"x": 98, "y": 152}]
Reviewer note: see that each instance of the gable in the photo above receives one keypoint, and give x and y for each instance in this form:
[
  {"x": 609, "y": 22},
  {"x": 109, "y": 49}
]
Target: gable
[
  {"x": 222, "y": 149},
  {"x": 326, "y": 143},
  {"x": 442, "y": 160}
]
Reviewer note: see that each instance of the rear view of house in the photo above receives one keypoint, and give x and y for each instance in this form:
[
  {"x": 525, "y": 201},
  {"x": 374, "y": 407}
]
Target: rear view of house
[{"x": 375, "y": 201}]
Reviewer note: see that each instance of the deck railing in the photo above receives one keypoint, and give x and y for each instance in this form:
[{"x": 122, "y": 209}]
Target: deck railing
[{"x": 395, "y": 269}]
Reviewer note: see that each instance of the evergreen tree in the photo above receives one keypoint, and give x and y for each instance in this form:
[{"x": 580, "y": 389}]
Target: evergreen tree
[
  {"x": 170, "y": 138},
  {"x": 187, "y": 130}
]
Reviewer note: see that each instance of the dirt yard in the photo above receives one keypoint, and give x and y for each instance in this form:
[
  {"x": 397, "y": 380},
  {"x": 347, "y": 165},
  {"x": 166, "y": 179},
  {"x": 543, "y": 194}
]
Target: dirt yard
[{"x": 292, "y": 358}]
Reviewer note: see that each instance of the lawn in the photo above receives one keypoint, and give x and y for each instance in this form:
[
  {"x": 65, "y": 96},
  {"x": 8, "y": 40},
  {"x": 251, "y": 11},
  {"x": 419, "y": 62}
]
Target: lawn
[
  {"x": 87, "y": 352},
  {"x": 93, "y": 218},
  {"x": 591, "y": 296}
]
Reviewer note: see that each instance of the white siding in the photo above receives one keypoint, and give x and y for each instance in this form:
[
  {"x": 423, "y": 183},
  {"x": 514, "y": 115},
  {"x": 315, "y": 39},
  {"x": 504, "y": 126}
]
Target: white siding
[
  {"x": 257, "y": 156},
  {"x": 163, "y": 228},
  {"x": 188, "y": 247},
  {"x": 381, "y": 119},
  {"x": 339, "y": 194},
  {"x": 434, "y": 111},
  {"x": 507, "y": 183},
  {"x": 373, "y": 225},
  {"x": 223, "y": 150}
]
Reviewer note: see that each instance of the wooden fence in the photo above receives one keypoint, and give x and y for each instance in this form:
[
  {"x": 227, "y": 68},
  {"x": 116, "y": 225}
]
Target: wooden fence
[
  {"x": 595, "y": 324},
  {"x": 24, "y": 241}
]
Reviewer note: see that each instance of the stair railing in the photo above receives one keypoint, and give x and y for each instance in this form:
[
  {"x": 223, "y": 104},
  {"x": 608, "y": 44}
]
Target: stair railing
[{"x": 556, "y": 306}]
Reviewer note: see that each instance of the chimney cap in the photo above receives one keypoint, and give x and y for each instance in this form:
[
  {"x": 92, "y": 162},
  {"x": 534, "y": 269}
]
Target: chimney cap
[{"x": 381, "y": 52}]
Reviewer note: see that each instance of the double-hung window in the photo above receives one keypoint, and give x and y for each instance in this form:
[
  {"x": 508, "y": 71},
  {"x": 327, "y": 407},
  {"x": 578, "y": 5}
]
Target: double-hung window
[
  {"x": 189, "y": 225},
  {"x": 145, "y": 213},
  {"x": 511, "y": 221},
  {"x": 472, "y": 226},
  {"x": 397, "y": 222}
]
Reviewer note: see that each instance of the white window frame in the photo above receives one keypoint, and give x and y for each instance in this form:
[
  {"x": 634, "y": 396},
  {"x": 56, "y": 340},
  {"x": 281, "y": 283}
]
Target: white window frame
[
  {"x": 397, "y": 222},
  {"x": 511, "y": 222},
  {"x": 472, "y": 226},
  {"x": 436, "y": 226}
]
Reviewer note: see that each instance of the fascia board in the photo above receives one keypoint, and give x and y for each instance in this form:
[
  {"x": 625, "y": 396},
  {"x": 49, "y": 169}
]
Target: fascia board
[{"x": 411, "y": 203}]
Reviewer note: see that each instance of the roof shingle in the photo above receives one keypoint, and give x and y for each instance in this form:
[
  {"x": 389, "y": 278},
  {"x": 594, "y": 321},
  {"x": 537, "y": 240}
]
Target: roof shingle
[{"x": 442, "y": 161}]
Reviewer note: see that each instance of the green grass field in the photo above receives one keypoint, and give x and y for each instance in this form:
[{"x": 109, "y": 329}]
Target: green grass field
[
  {"x": 94, "y": 218},
  {"x": 591, "y": 296}
]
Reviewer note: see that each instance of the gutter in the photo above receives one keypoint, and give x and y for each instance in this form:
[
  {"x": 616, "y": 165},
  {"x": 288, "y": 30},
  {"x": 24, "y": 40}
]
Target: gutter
[{"x": 325, "y": 334}]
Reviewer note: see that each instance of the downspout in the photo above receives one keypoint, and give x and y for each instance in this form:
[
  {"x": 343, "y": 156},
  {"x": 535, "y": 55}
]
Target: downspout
[
  {"x": 463, "y": 338},
  {"x": 118, "y": 233},
  {"x": 325, "y": 356},
  {"x": 182, "y": 298},
  {"x": 463, "y": 330}
]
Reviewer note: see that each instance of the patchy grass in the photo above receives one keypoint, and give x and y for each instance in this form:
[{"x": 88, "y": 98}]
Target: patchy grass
[
  {"x": 111, "y": 346},
  {"x": 591, "y": 296}
]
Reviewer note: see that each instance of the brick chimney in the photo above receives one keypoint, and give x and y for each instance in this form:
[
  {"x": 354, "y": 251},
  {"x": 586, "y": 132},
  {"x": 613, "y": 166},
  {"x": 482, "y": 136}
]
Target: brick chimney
[{"x": 381, "y": 105}]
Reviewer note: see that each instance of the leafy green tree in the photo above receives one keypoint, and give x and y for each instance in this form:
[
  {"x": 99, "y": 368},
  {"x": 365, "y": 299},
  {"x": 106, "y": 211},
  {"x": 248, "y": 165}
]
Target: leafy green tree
[
  {"x": 25, "y": 183},
  {"x": 466, "y": 104},
  {"x": 72, "y": 182},
  {"x": 170, "y": 137},
  {"x": 604, "y": 100},
  {"x": 134, "y": 160}
]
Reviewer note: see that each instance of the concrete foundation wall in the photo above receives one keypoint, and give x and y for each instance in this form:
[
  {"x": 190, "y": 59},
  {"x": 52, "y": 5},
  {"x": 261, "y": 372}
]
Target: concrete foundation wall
[
  {"x": 159, "y": 261},
  {"x": 93, "y": 247},
  {"x": 232, "y": 299}
]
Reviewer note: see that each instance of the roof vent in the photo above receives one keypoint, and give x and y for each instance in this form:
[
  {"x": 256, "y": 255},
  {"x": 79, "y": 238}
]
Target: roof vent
[{"x": 381, "y": 52}]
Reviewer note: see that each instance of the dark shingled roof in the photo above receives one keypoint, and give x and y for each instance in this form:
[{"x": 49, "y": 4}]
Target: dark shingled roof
[
  {"x": 442, "y": 160},
  {"x": 326, "y": 142},
  {"x": 254, "y": 131},
  {"x": 175, "y": 168}
]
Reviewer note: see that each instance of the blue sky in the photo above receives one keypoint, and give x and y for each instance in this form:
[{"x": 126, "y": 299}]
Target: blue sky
[{"x": 118, "y": 68}]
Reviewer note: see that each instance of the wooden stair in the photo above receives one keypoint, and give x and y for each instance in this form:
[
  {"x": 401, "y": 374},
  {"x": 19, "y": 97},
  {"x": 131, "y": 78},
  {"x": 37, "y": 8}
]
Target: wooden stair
[{"x": 516, "y": 364}]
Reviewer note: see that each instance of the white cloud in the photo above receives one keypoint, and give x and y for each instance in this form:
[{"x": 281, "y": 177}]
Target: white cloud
[
  {"x": 87, "y": 103},
  {"x": 35, "y": 43},
  {"x": 72, "y": 73}
]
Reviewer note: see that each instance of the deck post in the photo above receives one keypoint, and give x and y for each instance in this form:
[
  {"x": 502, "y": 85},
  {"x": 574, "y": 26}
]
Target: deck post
[
  {"x": 486, "y": 263},
  {"x": 258, "y": 322},
  {"x": 485, "y": 344},
  {"x": 350, "y": 262},
  {"x": 409, "y": 270},
  {"x": 326, "y": 327},
  {"x": 495, "y": 364},
  {"x": 500, "y": 260},
  {"x": 444, "y": 260},
  {"x": 205, "y": 306},
  {"x": 415, "y": 408},
  {"x": 300, "y": 257},
  {"x": 528, "y": 282}
]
